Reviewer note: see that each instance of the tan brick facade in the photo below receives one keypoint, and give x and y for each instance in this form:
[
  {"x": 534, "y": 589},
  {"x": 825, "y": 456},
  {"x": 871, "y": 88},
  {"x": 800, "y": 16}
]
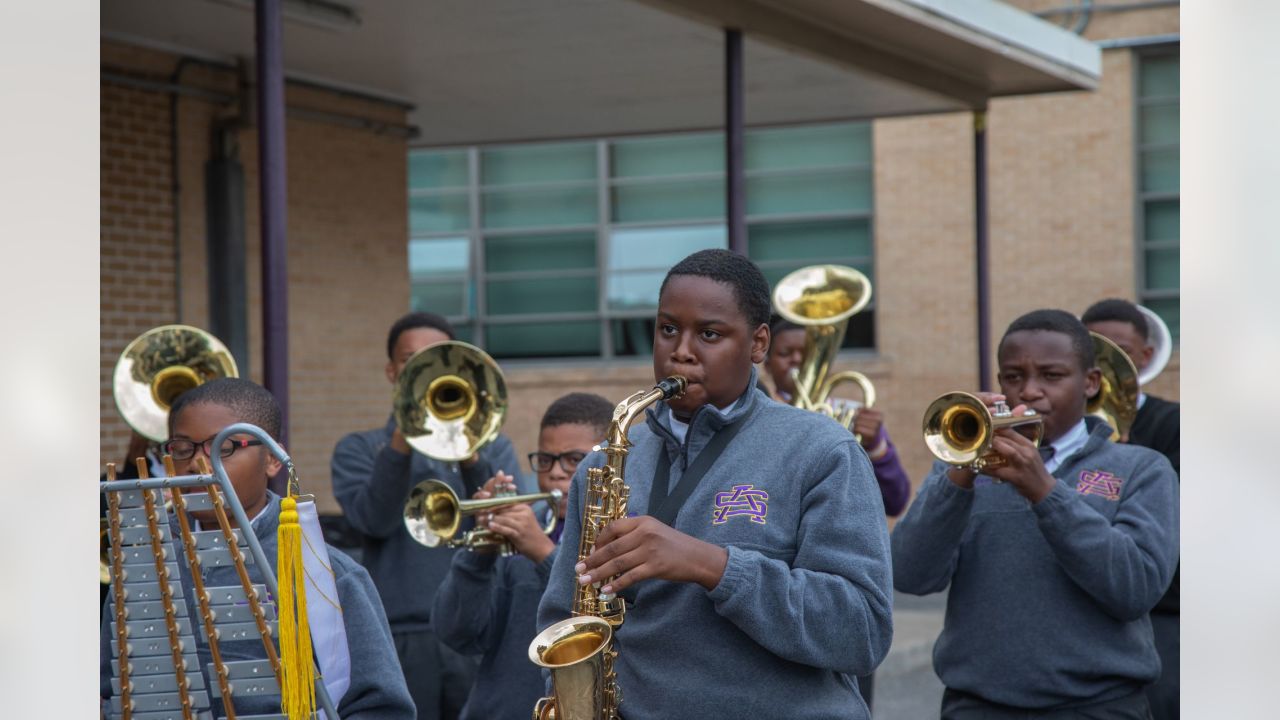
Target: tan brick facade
[
  {"x": 347, "y": 254},
  {"x": 1061, "y": 216}
]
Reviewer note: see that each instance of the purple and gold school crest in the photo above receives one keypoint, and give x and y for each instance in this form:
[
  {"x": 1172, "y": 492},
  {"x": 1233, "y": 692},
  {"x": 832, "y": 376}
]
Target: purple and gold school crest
[
  {"x": 1102, "y": 484},
  {"x": 742, "y": 500}
]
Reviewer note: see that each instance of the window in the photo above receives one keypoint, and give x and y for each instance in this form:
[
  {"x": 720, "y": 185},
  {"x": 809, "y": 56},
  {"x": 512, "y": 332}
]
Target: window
[
  {"x": 558, "y": 249},
  {"x": 1158, "y": 185}
]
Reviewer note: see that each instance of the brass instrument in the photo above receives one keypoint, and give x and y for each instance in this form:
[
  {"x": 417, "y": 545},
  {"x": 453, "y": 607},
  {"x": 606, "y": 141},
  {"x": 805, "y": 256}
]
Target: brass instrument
[
  {"x": 579, "y": 651},
  {"x": 450, "y": 400},
  {"x": 434, "y": 513},
  {"x": 958, "y": 428},
  {"x": 1162, "y": 340},
  {"x": 821, "y": 299},
  {"x": 152, "y": 371},
  {"x": 158, "y": 366},
  {"x": 1116, "y": 402}
]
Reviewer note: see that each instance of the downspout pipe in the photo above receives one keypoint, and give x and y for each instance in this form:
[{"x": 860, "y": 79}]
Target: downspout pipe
[
  {"x": 272, "y": 213},
  {"x": 983, "y": 253},
  {"x": 734, "y": 151}
]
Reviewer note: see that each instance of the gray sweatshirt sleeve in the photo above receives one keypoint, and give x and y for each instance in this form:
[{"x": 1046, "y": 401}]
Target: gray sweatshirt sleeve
[
  {"x": 463, "y": 614},
  {"x": 371, "y": 484},
  {"x": 926, "y": 542},
  {"x": 840, "y": 574},
  {"x": 1127, "y": 562},
  {"x": 378, "y": 690}
]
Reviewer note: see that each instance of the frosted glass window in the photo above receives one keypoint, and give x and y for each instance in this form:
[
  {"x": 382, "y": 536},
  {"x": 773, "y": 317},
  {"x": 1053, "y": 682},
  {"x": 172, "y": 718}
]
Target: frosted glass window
[
  {"x": 538, "y": 163},
  {"x": 430, "y": 170}
]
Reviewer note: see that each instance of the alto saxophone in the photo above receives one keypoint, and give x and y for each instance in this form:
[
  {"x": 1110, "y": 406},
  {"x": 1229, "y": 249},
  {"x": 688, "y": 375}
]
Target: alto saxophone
[{"x": 579, "y": 651}]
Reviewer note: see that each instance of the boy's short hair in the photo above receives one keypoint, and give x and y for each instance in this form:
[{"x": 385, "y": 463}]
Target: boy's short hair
[
  {"x": 1117, "y": 310},
  {"x": 579, "y": 409},
  {"x": 249, "y": 401},
  {"x": 749, "y": 286},
  {"x": 417, "y": 320},
  {"x": 1059, "y": 321},
  {"x": 778, "y": 324}
]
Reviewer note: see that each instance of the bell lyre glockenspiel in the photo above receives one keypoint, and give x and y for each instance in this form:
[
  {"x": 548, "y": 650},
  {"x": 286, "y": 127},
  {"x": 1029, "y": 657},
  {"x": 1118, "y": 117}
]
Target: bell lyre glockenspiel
[{"x": 171, "y": 627}]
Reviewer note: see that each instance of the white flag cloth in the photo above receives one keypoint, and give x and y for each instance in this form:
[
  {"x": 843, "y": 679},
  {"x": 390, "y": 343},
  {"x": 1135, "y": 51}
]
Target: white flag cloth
[{"x": 324, "y": 613}]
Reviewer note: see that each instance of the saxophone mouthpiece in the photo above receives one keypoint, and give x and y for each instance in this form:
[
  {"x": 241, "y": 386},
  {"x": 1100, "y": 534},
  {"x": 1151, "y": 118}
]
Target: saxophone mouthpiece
[{"x": 672, "y": 387}]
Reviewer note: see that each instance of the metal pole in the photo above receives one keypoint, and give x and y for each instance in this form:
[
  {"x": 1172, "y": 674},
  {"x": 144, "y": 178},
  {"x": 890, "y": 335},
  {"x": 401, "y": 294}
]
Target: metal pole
[
  {"x": 271, "y": 191},
  {"x": 983, "y": 251},
  {"x": 735, "y": 179}
]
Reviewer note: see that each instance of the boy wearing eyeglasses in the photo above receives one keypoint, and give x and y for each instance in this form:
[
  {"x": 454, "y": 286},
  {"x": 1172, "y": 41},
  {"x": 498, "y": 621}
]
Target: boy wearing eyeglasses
[
  {"x": 488, "y": 605},
  {"x": 370, "y": 686}
]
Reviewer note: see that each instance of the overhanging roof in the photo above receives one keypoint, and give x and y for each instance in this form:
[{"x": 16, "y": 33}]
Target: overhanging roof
[{"x": 512, "y": 70}]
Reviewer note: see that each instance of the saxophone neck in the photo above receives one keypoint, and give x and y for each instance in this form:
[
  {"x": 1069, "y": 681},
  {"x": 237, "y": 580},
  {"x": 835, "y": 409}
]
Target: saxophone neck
[{"x": 628, "y": 410}]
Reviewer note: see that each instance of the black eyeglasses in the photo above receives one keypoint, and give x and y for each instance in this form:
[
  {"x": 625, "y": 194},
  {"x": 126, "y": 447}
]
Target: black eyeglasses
[
  {"x": 185, "y": 449},
  {"x": 541, "y": 461}
]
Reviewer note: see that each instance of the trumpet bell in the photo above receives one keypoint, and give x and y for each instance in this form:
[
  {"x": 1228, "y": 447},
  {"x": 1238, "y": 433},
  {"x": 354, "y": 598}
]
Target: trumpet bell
[
  {"x": 1116, "y": 402},
  {"x": 433, "y": 515},
  {"x": 160, "y": 365},
  {"x": 957, "y": 426},
  {"x": 450, "y": 400},
  {"x": 958, "y": 429}
]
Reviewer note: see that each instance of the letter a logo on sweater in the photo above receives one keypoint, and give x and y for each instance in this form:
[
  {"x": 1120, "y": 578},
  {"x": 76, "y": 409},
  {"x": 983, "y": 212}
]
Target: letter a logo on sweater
[
  {"x": 743, "y": 500},
  {"x": 1102, "y": 484}
]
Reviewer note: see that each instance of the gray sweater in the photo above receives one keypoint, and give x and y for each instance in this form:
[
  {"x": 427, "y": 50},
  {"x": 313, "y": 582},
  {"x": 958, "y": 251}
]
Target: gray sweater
[
  {"x": 805, "y": 602},
  {"x": 371, "y": 482},
  {"x": 1048, "y": 602},
  {"x": 377, "y": 690},
  {"x": 488, "y": 606}
]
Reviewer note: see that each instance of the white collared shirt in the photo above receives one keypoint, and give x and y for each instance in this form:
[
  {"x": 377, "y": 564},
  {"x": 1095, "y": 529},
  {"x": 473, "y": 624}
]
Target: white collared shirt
[
  {"x": 1067, "y": 445},
  {"x": 1142, "y": 399}
]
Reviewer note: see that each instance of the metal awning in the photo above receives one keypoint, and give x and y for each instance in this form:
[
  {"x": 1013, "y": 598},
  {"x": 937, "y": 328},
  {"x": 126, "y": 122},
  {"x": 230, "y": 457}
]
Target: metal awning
[{"x": 516, "y": 70}]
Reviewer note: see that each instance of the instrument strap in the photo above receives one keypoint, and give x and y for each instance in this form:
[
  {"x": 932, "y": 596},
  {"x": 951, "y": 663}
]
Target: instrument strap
[{"x": 666, "y": 507}]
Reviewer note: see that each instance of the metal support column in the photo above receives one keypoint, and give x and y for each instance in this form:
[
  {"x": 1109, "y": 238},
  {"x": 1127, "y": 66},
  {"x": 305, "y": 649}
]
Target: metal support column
[
  {"x": 271, "y": 191},
  {"x": 735, "y": 178},
  {"x": 983, "y": 251}
]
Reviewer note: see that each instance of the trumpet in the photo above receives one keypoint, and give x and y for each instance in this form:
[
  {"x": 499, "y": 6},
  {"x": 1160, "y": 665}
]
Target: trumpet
[
  {"x": 434, "y": 513},
  {"x": 958, "y": 428},
  {"x": 450, "y": 400},
  {"x": 821, "y": 299},
  {"x": 1116, "y": 402}
]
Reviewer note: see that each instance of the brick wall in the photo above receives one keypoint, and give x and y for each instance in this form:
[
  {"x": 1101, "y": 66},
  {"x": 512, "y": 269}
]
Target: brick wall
[
  {"x": 136, "y": 240},
  {"x": 347, "y": 231}
]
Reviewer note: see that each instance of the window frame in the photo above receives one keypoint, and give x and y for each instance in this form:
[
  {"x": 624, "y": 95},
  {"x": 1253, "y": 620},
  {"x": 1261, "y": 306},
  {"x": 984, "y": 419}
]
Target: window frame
[
  {"x": 476, "y": 319},
  {"x": 1143, "y": 198}
]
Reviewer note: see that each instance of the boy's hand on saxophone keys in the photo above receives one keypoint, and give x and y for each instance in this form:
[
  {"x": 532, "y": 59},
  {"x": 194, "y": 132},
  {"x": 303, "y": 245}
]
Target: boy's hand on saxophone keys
[{"x": 639, "y": 548}]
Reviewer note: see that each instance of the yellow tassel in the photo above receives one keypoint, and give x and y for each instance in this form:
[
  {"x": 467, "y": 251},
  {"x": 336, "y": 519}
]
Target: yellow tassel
[{"x": 298, "y": 682}]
